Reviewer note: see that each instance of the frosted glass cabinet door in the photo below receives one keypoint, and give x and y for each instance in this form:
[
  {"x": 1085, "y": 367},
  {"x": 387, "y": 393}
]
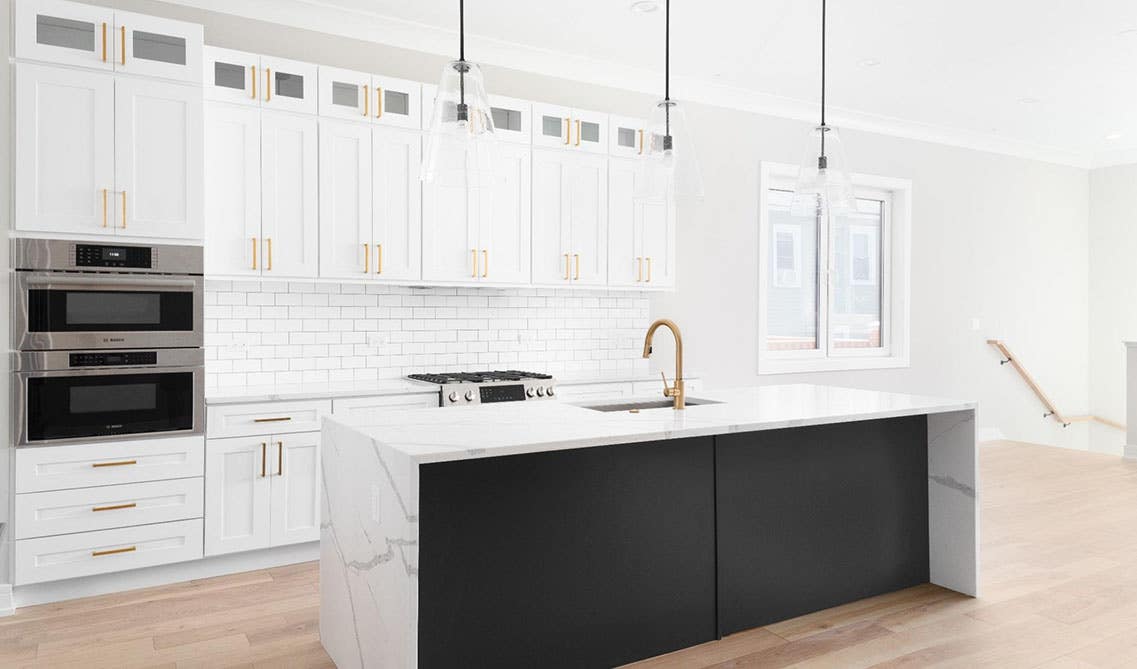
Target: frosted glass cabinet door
[
  {"x": 232, "y": 189},
  {"x": 345, "y": 200},
  {"x": 295, "y": 515},
  {"x": 345, "y": 94},
  {"x": 552, "y": 255},
  {"x": 159, "y": 159},
  {"x": 512, "y": 119},
  {"x": 396, "y": 102},
  {"x": 625, "y": 136},
  {"x": 64, "y": 150},
  {"x": 589, "y": 131},
  {"x": 505, "y": 235},
  {"x": 238, "y": 492},
  {"x": 290, "y": 215},
  {"x": 64, "y": 32},
  {"x": 232, "y": 76},
  {"x": 397, "y": 197},
  {"x": 552, "y": 126},
  {"x": 157, "y": 47},
  {"x": 288, "y": 85}
]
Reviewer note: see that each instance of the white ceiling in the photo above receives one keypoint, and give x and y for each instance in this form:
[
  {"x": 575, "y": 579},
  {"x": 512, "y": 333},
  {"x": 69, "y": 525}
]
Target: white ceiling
[{"x": 1045, "y": 78}]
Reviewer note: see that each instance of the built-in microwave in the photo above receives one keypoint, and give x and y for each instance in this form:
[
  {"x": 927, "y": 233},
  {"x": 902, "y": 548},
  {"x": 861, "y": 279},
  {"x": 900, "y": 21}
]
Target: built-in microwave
[
  {"x": 62, "y": 397},
  {"x": 75, "y": 295}
]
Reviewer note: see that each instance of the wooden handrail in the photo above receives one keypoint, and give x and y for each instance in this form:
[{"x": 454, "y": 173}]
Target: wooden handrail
[{"x": 1051, "y": 410}]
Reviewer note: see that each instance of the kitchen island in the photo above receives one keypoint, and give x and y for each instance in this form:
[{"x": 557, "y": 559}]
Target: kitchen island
[{"x": 546, "y": 534}]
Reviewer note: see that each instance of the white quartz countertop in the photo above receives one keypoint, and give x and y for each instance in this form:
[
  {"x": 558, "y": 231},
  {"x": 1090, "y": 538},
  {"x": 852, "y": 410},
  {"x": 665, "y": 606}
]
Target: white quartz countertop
[
  {"x": 316, "y": 391},
  {"x": 458, "y": 433}
]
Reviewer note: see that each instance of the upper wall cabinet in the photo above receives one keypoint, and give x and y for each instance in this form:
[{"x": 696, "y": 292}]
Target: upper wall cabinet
[
  {"x": 358, "y": 96},
  {"x": 626, "y": 136},
  {"x": 289, "y": 85},
  {"x": 572, "y": 129},
  {"x": 231, "y": 76},
  {"x": 570, "y": 219},
  {"x": 641, "y": 233},
  {"x": 78, "y": 34},
  {"x": 512, "y": 119},
  {"x": 260, "y": 81}
]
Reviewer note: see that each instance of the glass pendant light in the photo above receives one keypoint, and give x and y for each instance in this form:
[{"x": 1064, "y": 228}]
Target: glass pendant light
[
  {"x": 823, "y": 183},
  {"x": 459, "y": 144},
  {"x": 669, "y": 160}
]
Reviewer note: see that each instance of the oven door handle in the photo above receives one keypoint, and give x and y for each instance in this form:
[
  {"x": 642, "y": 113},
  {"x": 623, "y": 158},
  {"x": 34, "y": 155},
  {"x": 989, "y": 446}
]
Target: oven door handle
[
  {"x": 104, "y": 371},
  {"x": 89, "y": 283}
]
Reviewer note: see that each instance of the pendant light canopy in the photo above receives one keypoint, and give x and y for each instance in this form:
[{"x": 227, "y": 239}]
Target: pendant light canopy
[
  {"x": 460, "y": 140},
  {"x": 823, "y": 184},
  {"x": 669, "y": 160}
]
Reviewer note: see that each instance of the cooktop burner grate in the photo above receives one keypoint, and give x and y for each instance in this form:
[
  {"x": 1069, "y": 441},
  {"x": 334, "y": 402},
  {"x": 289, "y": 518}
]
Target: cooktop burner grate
[{"x": 478, "y": 377}]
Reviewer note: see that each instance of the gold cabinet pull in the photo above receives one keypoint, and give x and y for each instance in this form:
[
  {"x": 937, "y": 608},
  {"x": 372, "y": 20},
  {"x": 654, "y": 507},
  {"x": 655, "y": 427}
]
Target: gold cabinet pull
[
  {"x": 254, "y": 252},
  {"x": 577, "y": 132},
  {"x": 474, "y": 254},
  {"x": 576, "y": 257},
  {"x": 114, "y": 551},
  {"x": 123, "y": 44},
  {"x": 366, "y": 257},
  {"x": 641, "y": 141},
  {"x": 124, "y": 210},
  {"x": 485, "y": 263},
  {"x": 264, "y": 457},
  {"x": 104, "y": 41},
  {"x": 378, "y": 102},
  {"x": 268, "y": 84},
  {"x": 114, "y": 507},
  {"x": 268, "y": 240},
  {"x": 277, "y": 419},
  {"x": 567, "y": 266},
  {"x": 120, "y": 463},
  {"x": 104, "y": 207},
  {"x": 649, "y": 269},
  {"x": 366, "y": 100},
  {"x": 568, "y": 130},
  {"x": 254, "y": 80},
  {"x": 379, "y": 258},
  {"x": 639, "y": 269},
  {"x": 280, "y": 458}
]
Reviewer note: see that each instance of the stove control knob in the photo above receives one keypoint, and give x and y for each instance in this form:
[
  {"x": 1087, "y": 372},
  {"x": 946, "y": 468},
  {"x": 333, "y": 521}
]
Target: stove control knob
[
  {"x": 469, "y": 396},
  {"x": 549, "y": 391},
  {"x": 530, "y": 392},
  {"x": 453, "y": 397},
  {"x": 540, "y": 391}
]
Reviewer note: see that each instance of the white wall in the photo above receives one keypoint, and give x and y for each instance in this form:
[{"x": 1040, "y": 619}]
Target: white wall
[{"x": 1112, "y": 293}]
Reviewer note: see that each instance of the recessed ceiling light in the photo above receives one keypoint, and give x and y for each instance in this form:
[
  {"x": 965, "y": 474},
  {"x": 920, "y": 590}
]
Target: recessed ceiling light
[
  {"x": 1113, "y": 136},
  {"x": 869, "y": 62},
  {"x": 644, "y": 6},
  {"x": 1029, "y": 101}
]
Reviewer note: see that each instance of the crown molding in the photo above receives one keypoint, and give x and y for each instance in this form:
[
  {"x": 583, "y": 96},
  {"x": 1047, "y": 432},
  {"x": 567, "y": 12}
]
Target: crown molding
[{"x": 328, "y": 18}]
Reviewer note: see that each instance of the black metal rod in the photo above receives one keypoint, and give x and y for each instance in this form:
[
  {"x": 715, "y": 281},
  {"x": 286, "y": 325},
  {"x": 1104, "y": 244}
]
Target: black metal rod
[
  {"x": 461, "y": 30},
  {"x": 822, "y": 83},
  {"x": 667, "y": 73}
]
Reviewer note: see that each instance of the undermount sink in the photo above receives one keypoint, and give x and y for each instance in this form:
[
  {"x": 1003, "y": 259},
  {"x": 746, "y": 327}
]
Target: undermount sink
[{"x": 645, "y": 405}]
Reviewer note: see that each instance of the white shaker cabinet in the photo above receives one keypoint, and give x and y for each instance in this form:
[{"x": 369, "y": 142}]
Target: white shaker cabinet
[
  {"x": 157, "y": 47},
  {"x": 232, "y": 76},
  {"x": 295, "y": 495},
  {"x": 358, "y": 96},
  {"x": 570, "y": 219},
  {"x": 287, "y": 85},
  {"x": 571, "y": 129},
  {"x": 396, "y": 163},
  {"x": 289, "y": 196},
  {"x": 345, "y": 200},
  {"x": 232, "y": 190},
  {"x": 641, "y": 234},
  {"x": 505, "y": 235},
  {"x": 65, "y": 181}
]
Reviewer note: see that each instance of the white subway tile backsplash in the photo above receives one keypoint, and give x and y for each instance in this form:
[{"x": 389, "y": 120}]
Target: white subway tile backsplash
[{"x": 302, "y": 332}]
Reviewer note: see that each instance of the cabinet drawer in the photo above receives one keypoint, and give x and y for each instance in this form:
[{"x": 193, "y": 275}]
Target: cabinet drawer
[
  {"x": 89, "y": 553},
  {"x": 83, "y": 466},
  {"x": 45, "y": 514},
  {"x": 350, "y": 407},
  {"x": 243, "y": 420}
]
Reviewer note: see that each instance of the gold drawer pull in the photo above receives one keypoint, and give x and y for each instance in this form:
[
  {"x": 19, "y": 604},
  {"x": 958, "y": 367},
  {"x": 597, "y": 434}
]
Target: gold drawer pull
[
  {"x": 578, "y": 132},
  {"x": 649, "y": 269},
  {"x": 280, "y": 458},
  {"x": 104, "y": 207},
  {"x": 114, "y": 507},
  {"x": 123, "y": 44},
  {"x": 378, "y": 102},
  {"x": 104, "y": 41},
  {"x": 269, "y": 241},
  {"x": 263, "y": 458},
  {"x": 485, "y": 263},
  {"x": 268, "y": 84},
  {"x": 279, "y": 419},
  {"x": 366, "y": 100},
  {"x": 120, "y": 463},
  {"x": 379, "y": 253},
  {"x": 124, "y": 210},
  {"x": 568, "y": 264},
  {"x": 254, "y": 80},
  {"x": 254, "y": 252},
  {"x": 639, "y": 269},
  {"x": 474, "y": 255},
  {"x": 641, "y": 141},
  {"x": 568, "y": 131},
  {"x": 114, "y": 551},
  {"x": 366, "y": 257},
  {"x": 576, "y": 256}
]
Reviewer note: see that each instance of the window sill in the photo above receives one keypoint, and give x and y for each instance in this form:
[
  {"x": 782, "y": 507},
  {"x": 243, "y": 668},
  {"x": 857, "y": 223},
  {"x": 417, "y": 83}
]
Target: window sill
[{"x": 770, "y": 366}]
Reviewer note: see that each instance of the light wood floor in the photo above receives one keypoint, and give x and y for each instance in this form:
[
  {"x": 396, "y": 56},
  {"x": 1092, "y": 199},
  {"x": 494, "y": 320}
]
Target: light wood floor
[{"x": 1059, "y": 580}]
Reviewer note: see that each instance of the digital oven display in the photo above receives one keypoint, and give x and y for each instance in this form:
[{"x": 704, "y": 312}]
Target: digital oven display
[{"x": 510, "y": 393}]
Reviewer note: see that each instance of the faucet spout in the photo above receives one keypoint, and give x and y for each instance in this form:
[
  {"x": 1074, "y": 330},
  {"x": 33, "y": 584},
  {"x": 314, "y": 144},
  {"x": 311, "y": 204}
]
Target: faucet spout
[{"x": 677, "y": 392}]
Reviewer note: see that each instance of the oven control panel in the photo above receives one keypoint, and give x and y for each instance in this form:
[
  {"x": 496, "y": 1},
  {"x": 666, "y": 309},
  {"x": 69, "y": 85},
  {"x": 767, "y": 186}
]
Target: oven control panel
[
  {"x": 114, "y": 359},
  {"x": 100, "y": 255},
  {"x": 460, "y": 394}
]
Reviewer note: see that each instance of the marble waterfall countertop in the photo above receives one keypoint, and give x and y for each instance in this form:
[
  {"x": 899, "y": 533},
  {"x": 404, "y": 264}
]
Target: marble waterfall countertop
[{"x": 458, "y": 433}]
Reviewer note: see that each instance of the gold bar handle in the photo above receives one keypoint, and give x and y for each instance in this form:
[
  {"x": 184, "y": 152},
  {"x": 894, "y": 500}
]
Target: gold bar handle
[
  {"x": 576, "y": 257},
  {"x": 254, "y": 80},
  {"x": 474, "y": 254},
  {"x": 485, "y": 263},
  {"x": 264, "y": 457},
  {"x": 641, "y": 141},
  {"x": 366, "y": 100},
  {"x": 120, "y": 463},
  {"x": 104, "y": 41},
  {"x": 269, "y": 241},
  {"x": 254, "y": 252},
  {"x": 124, "y": 210},
  {"x": 649, "y": 269},
  {"x": 568, "y": 130},
  {"x": 378, "y": 102},
  {"x": 577, "y": 132},
  {"x": 104, "y": 207},
  {"x": 280, "y": 458},
  {"x": 379, "y": 258},
  {"x": 114, "y": 551},
  {"x": 277, "y": 419},
  {"x": 122, "y": 44},
  {"x": 114, "y": 507},
  {"x": 568, "y": 265},
  {"x": 639, "y": 269},
  {"x": 366, "y": 257},
  {"x": 268, "y": 84}
]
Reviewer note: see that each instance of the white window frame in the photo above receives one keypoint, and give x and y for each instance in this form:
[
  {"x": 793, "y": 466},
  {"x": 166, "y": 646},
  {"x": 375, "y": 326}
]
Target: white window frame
[
  {"x": 873, "y": 259},
  {"x": 895, "y": 275},
  {"x": 795, "y": 234}
]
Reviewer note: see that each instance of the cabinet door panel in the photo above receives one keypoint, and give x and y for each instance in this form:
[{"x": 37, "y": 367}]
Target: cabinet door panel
[
  {"x": 64, "y": 32},
  {"x": 345, "y": 199},
  {"x": 158, "y": 159},
  {"x": 64, "y": 150},
  {"x": 588, "y": 215},
  {"x": 550, "y": 222},
  {"x": 232, "y": 189},
  {"x": 157, "y": 47},
  {"x": 589, "y": 131},
  {"x": 288, "y": 85},
  {"x": 295, "y": 513},
  {"x": 505, "y": 234},
  {"x": 232, "y": 76},
  {"x": 626, "y": 136},
  {"x": 512, "y": 119},
  {"x": 552, "y": 126},
  {"x": 289, "y": 195},
  {"x": 449, "y": 241},
  {"x": 658, "y": 246},
  {"x": 397, "y": 196},
  {"x": 345, "y": 94},
  {"x": 237, "y": 495},
  {"x": 625, "y": 259},
  {"x": 396, "y": 102}
]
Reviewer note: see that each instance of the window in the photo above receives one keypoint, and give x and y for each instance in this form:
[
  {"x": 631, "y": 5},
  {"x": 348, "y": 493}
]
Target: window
[{"x": 833, "y": 294}]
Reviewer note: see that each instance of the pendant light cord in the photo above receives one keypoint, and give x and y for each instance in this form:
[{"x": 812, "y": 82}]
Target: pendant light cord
[
  {"x": 461, "y": 56},
  {"x": 823, "y": 80},
  {"x": 667, "y": 71}
]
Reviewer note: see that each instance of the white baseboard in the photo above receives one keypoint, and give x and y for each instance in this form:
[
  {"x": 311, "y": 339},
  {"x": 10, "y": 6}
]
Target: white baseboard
[
  {"x": 991, "y": 434},
  {"x": 1130, "y": 452},
  {"x": 7, "y": 604},
  {"x": 89, "y": 586}
]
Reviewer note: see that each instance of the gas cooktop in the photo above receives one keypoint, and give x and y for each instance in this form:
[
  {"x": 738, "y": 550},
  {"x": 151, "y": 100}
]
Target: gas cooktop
[{"x": 463, "y": 388}]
